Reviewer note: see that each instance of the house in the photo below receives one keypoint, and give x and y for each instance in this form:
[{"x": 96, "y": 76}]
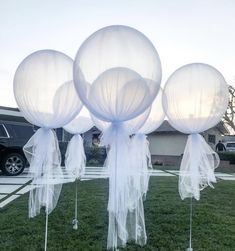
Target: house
[{"x": 167, "y": 144}]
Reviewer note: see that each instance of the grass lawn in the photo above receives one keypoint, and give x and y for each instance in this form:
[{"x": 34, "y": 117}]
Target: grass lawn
[{"x": 167, "y": 220}]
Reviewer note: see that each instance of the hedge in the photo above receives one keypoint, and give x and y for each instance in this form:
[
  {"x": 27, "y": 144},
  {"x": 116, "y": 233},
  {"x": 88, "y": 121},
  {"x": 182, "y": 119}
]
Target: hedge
[{"x": 229, "y": 156}]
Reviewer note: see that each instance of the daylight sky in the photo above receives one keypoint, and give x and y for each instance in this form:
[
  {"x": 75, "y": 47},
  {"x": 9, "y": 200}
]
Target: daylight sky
[{"x": 183, "y": 31}]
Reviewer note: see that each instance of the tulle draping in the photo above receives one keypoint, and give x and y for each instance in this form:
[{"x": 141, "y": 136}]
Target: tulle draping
[
  {"x": 44, "y": 159},
  {"x": 117, "y": 74},
  {"x": 44, "y": 90},
  {"x": 140, "y": 164},
  {"x": 106, "y": 52},
  {"x": 156, "y": 116},
  {"x": 75, "y": 158},
  {"x": 195, "y": 99},
  {"x": 45, "y": 94},
  {"x": 130, "y": 126},
  {"x": 197, "y": 167},
  {"x": 132, "y": 221},
  {"x": 118, "y": 163}
]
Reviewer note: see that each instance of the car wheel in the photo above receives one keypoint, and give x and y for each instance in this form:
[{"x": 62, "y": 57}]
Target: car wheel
[{"x": 13, "y": 164}]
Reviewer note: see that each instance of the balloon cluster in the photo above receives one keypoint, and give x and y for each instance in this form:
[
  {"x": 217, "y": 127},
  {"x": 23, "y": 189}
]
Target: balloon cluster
[{"x": 116, "y": 75}]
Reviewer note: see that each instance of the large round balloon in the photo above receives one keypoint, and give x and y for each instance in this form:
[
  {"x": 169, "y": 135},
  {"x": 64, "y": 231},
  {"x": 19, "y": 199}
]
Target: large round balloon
[
  {"x": 81, "y": 124},
  {"x": 131, "y": 126},
  {"x": 44, "y": 90},
  {"x": 117, "y": 49},
  {"x": 195, "y": 98},
  {"x": 119, "y": 93},
  {"x": 156, "y": 116}
]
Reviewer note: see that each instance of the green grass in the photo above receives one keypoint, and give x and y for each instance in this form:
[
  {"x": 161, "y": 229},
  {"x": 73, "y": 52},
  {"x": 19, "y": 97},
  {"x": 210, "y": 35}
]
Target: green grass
[{"x": 167, "y": 220}]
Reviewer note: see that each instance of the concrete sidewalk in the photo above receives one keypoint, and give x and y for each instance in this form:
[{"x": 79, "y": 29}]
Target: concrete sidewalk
[{"x": 13, "y": 187}]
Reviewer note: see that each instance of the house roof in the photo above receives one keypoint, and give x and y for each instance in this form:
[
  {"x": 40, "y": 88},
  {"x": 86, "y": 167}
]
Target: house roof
[
  {"x": 166, "y": 127},
  {"x": 222, "y": 128}
]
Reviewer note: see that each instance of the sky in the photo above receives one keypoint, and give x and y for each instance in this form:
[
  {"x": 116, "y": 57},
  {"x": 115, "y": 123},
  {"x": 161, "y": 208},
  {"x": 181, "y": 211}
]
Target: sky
[{"x": 182, "y": 31}]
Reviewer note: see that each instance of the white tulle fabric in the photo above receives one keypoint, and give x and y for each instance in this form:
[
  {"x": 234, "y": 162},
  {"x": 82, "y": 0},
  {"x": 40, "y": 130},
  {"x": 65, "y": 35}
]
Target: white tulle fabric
[
  {"x": 126, "y": 53},
  {"x": 130, "y": 126},
  {"x": 45, "y": 94},
  {"x": 44, "y": 90},
  {"x": 75, "y": 158},
  {"x": 197, "y": 167},
  {"x": 116, "y": 87},
  {"x": 133, "y": 219},
  {"x": 156, "y": 116},
  {"x": 117, "y": 74},
  {"x": 118, "y": 163},
  {"x": 140, "y": 165},
  {"x": 195, "y": 99},
  {"x": 141, "y": 157},
  {"x": 44, "y": 158}
]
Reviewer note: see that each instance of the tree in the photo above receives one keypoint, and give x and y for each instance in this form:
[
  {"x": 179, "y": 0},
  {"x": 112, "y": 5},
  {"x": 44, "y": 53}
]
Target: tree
[{"x": 229, "y": 115}]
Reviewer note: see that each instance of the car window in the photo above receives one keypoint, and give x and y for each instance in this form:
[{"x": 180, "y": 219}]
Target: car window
[
  {"x": 23, "y": 131},
  {"x": 3, "y": 133},
  {"x": 230, "y": 145}
]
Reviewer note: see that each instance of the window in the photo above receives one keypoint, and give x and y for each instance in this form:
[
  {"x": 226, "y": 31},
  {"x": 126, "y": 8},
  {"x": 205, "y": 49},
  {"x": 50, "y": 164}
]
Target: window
[
  {"x": 22, "y": 131},
  {"x": 3, "y": 132},
  {"x": 211, "y": 138}
]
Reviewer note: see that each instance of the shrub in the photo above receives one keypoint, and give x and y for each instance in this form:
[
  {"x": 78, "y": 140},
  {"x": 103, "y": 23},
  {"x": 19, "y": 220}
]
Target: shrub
[
  {"x": 229, "y": 156},
  {"x": 95, "y": 155}
]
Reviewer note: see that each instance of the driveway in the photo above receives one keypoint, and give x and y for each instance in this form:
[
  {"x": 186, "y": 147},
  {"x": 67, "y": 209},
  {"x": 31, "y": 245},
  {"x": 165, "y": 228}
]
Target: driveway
[{"x": 13, "y": 187}]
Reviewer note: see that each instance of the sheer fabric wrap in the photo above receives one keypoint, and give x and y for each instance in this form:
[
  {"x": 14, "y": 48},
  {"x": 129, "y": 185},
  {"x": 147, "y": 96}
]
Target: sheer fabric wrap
[
  {"x": 45, "y": 94},
  {"x": 131, "y": 226},
  {"x": 104, "y": 60},
  {"x": 118, "y": 163},
  {"x": 75, "y": 158},
  {"x": 140, "y": 160},
  {"x": 45, "y": 169},
  {"x": 140, "y": 165},
  {"x": 197, "y": 167},
  {"x": 195, "y": 99},
  {"x": 117, "y": 74}
]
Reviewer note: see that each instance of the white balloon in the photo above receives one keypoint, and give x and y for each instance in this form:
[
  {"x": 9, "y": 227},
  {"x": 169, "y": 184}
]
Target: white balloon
[
  {"x": 107, "y": 54},
  {"x": 45, "y": 94},
  {"x": 81, "y": 124},
  {"x": 117, "y": 74},
  {"x": 44, "y": 90},
  {"x": 156, "y": 116},
  {"x": 195, "y": 98},
  {"x": 130, "y": 126}
]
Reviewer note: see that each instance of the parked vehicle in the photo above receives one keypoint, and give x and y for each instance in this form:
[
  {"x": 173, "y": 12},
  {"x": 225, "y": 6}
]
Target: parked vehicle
[
  {"x": 230, "y": 146},
  {"x": 12, "y": 139}
]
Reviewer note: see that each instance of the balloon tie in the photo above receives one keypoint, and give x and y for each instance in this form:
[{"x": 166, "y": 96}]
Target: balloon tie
[
  {"x": 190, "y": 225},
  {"x": 75, "y": 220},
  {"x": 46, "y": 230}
]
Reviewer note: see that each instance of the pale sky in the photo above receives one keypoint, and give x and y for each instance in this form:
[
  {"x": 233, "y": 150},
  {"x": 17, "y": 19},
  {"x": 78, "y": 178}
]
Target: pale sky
[{"x": 183, "y": 31}]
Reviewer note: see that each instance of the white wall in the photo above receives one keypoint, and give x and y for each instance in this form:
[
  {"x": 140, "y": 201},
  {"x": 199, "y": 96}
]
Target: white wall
[
  {"x": 167, "y": 144},
  {"x": 215, "y": 132}
]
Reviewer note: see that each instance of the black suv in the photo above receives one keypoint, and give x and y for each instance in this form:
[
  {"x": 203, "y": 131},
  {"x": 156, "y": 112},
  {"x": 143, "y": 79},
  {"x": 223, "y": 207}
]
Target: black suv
[{"x": 13, "y": 136}]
